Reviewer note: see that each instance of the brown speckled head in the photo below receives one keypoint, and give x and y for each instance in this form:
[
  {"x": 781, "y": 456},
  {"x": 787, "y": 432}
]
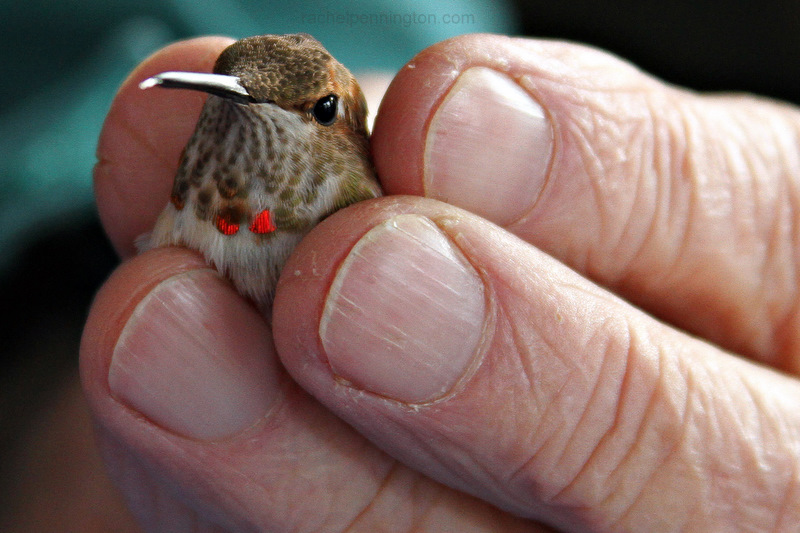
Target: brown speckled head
[
  {"x": 289, "y": 70},
  {"x": 278, "y": 68}
]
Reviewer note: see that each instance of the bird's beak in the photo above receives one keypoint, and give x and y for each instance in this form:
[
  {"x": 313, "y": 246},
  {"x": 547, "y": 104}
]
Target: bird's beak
[{"x": 216, "y": 84}]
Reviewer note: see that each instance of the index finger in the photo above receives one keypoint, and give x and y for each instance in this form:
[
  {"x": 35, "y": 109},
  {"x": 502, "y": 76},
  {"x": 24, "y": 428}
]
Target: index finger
[
  {"x": 142, "y": 138},
  {"x": 685, "y": 205}
]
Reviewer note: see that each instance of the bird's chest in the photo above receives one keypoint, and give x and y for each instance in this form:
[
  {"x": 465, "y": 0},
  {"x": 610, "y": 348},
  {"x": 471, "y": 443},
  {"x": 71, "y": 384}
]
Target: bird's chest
[{"x": 260, "y": 179}]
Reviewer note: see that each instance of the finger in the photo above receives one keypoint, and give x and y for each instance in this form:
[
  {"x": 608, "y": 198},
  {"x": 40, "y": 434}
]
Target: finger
[
  {"x": 686, "y": 205},
  {"x": 142, "y": 138},
  {"x": 203, "y": 429},
  {"x": 480, "y": 361}
]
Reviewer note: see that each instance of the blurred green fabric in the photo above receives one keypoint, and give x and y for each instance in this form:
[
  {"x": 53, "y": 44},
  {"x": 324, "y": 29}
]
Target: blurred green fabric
[{"x": 63, "y": 62}]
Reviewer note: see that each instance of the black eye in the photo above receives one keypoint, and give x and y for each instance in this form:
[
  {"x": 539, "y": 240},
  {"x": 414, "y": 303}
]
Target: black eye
[{"x": 325, "y": 110}]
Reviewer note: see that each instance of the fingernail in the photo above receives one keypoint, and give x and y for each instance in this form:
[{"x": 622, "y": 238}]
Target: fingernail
[
  {"x": 488, "y": 147},
  {"x": 404, "y": 316},
  {"x": 194, "y": 360}
]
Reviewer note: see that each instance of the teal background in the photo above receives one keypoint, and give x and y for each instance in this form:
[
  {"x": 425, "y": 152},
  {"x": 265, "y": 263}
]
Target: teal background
[{"x": 63, "y": 61}]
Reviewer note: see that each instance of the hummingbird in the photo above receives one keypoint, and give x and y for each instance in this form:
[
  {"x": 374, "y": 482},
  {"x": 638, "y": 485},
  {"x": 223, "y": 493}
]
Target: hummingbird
[{"x": 280, "y": 144}]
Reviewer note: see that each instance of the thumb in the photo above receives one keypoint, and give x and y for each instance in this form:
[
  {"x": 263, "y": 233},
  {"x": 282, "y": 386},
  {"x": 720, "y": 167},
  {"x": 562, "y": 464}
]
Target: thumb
[{"x": 487, "y": 365}]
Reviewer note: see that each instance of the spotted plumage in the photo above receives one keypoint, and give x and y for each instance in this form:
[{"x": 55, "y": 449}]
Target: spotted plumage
[{"x": 280, "y": 144}]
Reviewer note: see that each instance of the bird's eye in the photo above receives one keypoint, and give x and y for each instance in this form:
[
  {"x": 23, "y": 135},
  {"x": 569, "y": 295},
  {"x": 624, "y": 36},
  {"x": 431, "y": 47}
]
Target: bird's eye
[{"x": 324, "y": 110}]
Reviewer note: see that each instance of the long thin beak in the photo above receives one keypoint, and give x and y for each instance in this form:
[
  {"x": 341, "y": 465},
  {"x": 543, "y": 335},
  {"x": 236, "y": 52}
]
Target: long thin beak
[{"x": 217, "y": 84}]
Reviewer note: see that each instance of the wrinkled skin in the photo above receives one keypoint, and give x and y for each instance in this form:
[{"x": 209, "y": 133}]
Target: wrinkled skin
[{"x": 636, "y": 356}]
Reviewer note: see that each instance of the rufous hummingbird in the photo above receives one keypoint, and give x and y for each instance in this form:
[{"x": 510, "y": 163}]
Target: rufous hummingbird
[{"x": 280, "y": 144}]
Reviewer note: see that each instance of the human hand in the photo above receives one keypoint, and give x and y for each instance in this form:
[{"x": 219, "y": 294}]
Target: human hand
[{"x": 448, "y": 374}]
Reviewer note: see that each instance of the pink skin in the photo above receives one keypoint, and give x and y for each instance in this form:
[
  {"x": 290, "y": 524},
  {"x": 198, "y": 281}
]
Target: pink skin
[{"x": 493, "y": 388}]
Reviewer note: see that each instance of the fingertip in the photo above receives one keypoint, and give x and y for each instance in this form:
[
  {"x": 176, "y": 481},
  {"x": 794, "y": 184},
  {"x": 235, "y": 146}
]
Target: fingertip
[
  {"x": 170, "y": 338},
  {"x": 401, "y": 122},
  {"x": 141, "y": 140},
  {"x": 388, "y": 269},
  {"x": 116, "y": 301},
  {"x": 309, "y": 273},
  {"x": 478, "y": 120},
  {"x": 412, "y": 99}
]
